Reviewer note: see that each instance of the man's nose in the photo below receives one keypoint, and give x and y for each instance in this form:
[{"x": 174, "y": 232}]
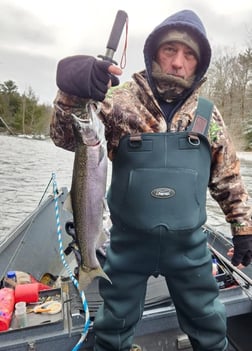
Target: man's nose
[{"x": 177, "y": 61}]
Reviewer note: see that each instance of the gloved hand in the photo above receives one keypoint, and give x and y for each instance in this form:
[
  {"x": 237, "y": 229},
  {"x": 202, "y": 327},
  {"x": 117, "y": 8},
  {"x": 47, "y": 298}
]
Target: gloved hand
[
  {"x": 85, "y": 77},
  {"x": 242, "y": 250}
]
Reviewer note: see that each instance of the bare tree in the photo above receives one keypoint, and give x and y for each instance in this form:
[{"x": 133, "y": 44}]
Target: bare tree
[{"x": 229, "y": 85}]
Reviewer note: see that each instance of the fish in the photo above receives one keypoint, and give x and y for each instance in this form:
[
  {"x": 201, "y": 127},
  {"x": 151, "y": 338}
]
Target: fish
[{"x": 87, "y": 194}]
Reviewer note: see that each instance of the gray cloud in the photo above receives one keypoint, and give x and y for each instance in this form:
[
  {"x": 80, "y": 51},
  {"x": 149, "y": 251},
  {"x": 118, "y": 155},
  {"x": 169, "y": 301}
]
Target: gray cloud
[
  {"x": 23, "y": 35},
  {"x": 30, "y": 71},
  {"x": 18, "y": 26},
  {"x": 30, "y": 49}
]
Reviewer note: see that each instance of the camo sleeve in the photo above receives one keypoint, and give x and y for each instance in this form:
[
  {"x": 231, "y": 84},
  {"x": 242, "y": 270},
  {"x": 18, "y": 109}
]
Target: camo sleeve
[
  {"x": 61, "y": 131},
  {"x": 226, "y": 185}
]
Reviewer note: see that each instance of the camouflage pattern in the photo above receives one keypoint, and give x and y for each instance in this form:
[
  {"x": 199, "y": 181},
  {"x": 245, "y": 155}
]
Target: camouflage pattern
[{"x": 131, "y": 108}]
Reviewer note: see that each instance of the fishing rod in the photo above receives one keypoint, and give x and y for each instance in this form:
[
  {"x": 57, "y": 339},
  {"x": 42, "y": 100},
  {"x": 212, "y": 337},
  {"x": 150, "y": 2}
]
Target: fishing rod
[
  {"x": 115, "y": 35},
  {"x": 225, "y": 260},
  {"x": 241, "y": 278},
  {"x": 90, "y": 124}
]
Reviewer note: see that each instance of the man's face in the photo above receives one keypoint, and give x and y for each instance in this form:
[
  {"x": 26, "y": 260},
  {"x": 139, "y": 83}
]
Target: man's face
[{"x": 177, "y": 59}]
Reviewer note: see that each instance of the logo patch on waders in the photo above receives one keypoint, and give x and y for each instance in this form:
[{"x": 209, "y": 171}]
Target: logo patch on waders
[{"x": 162, "y": 193}]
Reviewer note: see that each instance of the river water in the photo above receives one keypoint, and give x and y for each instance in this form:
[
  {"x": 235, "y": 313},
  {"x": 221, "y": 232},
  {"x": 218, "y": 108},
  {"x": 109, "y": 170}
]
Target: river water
[{"x": 26, "y": 167}]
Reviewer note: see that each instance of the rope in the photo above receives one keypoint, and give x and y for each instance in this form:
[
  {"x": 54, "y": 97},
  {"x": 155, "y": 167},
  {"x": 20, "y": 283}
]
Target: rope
[{"x": 73, "y": 279}]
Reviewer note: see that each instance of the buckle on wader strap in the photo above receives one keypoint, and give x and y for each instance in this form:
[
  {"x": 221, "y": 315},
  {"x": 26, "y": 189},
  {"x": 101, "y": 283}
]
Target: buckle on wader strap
[{"x": 135, "y": 140}]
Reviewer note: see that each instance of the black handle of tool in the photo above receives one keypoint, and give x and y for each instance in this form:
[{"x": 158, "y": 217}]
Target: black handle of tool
[{"x": 115, "y": 35}]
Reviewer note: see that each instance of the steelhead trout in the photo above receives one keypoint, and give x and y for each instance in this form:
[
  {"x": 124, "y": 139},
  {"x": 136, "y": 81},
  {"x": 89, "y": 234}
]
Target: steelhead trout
[
  {"x": 89, "y": 176},
  {"x": 87, "y": 194}
]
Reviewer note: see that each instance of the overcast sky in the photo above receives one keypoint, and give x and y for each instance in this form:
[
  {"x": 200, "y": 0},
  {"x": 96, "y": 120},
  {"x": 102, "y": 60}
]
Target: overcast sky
[{"x": 35, "y": 35}]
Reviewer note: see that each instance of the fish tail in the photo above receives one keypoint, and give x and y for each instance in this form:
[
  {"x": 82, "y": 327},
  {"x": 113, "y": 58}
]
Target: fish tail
[{"x": 86, "y": 277}]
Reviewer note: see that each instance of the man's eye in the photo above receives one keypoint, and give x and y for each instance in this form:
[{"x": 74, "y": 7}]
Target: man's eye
[
  {"x": 190, "y": 53},
  {"x": 170, "y": 50}
]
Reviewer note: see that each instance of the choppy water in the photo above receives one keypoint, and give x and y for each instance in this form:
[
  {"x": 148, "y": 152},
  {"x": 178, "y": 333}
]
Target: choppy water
[{"x": 26, "y": 167}]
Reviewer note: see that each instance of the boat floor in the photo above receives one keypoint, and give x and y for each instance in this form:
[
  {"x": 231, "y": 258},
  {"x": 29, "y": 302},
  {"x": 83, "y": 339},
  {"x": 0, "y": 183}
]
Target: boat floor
[
  {"x": 158, "y": 330},
  {"x": 171, "y": 337},
  {"x": 150, "y": 334}
]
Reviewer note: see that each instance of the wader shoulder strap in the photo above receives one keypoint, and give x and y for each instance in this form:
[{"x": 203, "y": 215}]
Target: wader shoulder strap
[{"x": 202, "y": 116}]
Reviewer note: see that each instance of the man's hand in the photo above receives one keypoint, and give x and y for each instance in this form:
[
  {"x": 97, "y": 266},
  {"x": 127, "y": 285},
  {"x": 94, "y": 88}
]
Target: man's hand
[
  {"x": 241, "y": 253},
  {"x": 86, "y": 77}
]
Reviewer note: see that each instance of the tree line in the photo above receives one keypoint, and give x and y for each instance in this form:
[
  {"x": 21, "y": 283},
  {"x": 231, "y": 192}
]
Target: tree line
[
  {"x": 22, "y": 113},
  {"x": 229, "y": 86}
]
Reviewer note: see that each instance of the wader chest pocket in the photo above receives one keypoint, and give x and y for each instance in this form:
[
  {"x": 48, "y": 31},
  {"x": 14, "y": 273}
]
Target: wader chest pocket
[{"x": 162, "y": 197}]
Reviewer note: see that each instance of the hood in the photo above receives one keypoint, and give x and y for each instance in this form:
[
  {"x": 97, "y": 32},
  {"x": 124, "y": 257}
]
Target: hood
[{"x": 189, "y": 21}]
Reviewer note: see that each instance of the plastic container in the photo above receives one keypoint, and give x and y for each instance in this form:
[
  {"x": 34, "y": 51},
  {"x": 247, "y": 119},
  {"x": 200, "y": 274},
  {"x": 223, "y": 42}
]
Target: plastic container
[
  {"x": 20, "y": 306},
  {"x": 215, "y": 266},
  {"x": 6, "y": 307},
  {"x": 10, "y": 280},
  {"x": 20, "y": 314}
]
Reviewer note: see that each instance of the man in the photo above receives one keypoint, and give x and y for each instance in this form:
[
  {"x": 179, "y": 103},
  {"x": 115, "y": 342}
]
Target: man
[{"x": 161, "y": 170}]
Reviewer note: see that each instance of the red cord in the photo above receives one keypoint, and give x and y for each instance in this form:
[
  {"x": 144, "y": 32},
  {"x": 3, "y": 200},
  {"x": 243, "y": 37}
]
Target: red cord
[{"x": 123, "y": 58}]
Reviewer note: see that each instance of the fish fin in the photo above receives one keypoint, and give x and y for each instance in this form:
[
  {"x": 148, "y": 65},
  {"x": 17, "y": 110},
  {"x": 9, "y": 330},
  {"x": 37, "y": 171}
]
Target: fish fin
[
  {"x": 102, "y": 238},
  {"x": 68, "y": 203},
  {"x": 86, "y": 277}
]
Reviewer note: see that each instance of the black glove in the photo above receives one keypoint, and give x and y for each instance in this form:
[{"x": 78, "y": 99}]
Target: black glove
[
  {"x": 85, "y": 77},
  {"x": 242, "y": 250}
]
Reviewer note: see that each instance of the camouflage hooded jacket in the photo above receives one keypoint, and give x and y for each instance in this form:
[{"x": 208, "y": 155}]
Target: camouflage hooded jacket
[{"x": 134, "y": 108}]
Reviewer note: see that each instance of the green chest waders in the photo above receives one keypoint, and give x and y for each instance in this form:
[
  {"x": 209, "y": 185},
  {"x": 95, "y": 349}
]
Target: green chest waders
[
  {"x": 157, "y": 202},
  {"x": 159, "y": 176}
]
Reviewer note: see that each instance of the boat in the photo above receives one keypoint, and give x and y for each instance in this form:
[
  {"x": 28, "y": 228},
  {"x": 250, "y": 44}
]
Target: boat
[{"x": 34, "y": 247}]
